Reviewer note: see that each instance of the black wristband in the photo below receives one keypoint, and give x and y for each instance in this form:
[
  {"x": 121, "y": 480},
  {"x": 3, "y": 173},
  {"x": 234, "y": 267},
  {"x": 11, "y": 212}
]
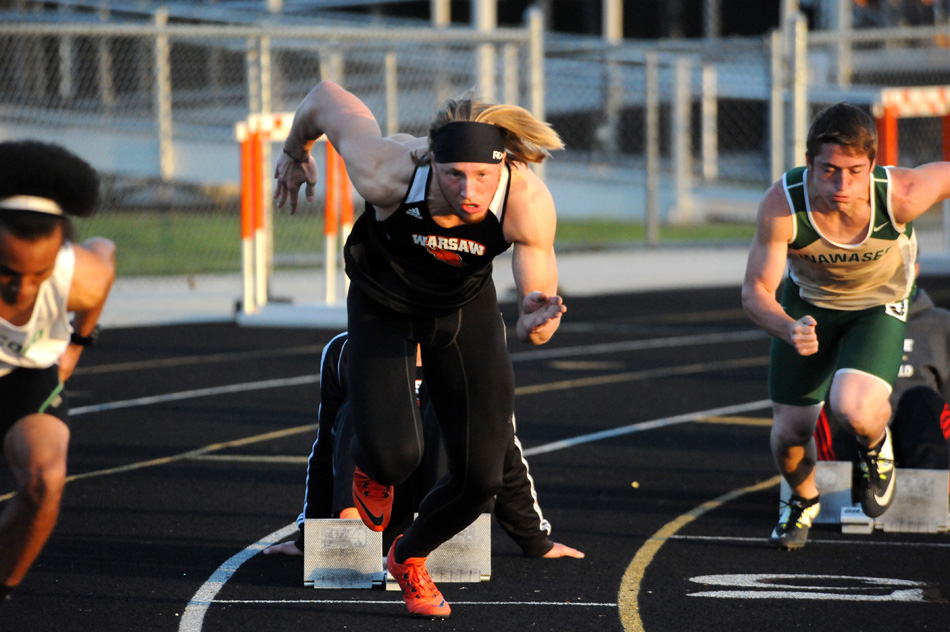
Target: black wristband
[
  {"x": 294, "y": 158},
  {"x": 85, "y": 341}
]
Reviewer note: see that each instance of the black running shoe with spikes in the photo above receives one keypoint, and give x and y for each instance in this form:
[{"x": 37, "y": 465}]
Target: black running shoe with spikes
[
  {"x": 791, "y": 532},
  {"x": 878, "y": 477}
]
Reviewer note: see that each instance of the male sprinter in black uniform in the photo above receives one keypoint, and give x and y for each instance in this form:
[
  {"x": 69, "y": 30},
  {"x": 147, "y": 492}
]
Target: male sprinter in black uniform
[
  {"x": 438, "y": 210},
  {"x": 330, "y": 472}
]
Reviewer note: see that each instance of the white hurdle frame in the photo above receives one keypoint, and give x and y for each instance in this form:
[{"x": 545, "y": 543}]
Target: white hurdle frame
[{"x": 252, "y": 133}]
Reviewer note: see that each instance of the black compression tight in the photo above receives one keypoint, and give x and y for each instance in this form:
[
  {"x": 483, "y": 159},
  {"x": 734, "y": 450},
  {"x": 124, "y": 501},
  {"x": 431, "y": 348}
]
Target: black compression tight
[{"x": 471, "y": 386}]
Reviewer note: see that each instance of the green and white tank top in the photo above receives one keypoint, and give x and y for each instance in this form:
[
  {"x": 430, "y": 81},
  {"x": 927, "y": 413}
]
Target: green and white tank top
[
  {"x": 40, "y": 342},
  {"x": 877, "y": 271}
]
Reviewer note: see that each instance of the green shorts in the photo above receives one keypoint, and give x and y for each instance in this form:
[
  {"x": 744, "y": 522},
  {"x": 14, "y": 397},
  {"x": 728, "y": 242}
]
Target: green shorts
[{"x": 869, "y": 340}]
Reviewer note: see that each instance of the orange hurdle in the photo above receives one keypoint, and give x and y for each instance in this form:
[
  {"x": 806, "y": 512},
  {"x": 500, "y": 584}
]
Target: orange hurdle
[{"x": 252, "y": 133}]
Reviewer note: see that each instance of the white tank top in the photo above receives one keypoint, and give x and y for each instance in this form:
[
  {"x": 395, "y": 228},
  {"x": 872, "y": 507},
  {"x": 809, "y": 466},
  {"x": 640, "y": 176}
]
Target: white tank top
[
  {"x": 877, "y": 271},
  {"x": 39, "y": 343}
]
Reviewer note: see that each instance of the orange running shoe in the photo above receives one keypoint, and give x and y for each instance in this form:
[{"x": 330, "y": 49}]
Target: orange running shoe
[
  {"x": 350, "y": 513},
  {"x": 373, "y": 501},
  {"x": 418, "y": 590}
]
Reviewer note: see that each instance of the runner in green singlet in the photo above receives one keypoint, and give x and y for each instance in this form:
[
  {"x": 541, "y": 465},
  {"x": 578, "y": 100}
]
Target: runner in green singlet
[{"x": 841, "y": 227}]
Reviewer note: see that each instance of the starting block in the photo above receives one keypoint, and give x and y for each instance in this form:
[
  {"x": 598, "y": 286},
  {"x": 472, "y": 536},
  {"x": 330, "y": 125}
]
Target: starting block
[
  {"x": 341, "y": 554},
  {"x": 464, "y": 558},
  {"x": 345, "y": 554},
  {"x": 921, "y": 503}
]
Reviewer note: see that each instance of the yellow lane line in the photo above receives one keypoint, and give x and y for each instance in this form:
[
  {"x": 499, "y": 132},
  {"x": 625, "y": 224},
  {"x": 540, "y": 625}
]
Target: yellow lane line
[
  {"x": 629, "y": 595},
  {"x": 191, "y": 454},
  {"x": 632, "y": 376}
]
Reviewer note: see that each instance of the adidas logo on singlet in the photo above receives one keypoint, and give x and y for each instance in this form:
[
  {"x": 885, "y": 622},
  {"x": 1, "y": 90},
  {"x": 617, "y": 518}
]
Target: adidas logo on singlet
[{"x": 414, "y": 212}]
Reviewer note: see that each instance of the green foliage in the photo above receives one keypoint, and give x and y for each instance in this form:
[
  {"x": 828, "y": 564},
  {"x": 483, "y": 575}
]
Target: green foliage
[
  {"x": 159, "y": 243},
  {"x": 604, "y": 233}
]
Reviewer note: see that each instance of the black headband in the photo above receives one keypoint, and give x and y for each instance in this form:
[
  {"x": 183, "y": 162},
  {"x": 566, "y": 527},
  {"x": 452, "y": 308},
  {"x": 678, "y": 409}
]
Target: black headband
[{"x": 465, "y": 141}]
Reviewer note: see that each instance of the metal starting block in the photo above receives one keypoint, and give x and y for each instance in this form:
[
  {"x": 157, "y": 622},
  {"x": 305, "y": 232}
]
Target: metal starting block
[
  {"x": 853, "y": 520},
  {"x": 833, "y": 479},
  {"x": 341, "y": 554},
  {"x": 345, "y": 554},
  {"x": 921, "y": 505},
  {"x": 464, "y": 558}
]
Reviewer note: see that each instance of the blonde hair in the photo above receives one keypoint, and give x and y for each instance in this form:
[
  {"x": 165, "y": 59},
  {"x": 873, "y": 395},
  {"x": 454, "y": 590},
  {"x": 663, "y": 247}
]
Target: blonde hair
[{"x": 526, "y": 138}]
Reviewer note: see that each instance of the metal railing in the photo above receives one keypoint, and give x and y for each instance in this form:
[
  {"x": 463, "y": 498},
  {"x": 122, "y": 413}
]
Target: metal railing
[{"x": 659, "y": 132}]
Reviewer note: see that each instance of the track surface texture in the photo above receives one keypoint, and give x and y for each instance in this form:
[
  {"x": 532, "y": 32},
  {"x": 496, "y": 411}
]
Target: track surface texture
[{"x": 646, "y": 429}]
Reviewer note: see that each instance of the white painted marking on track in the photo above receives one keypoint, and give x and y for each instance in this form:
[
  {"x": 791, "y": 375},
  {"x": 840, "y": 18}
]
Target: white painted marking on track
[
  {"x": 816, "y": 541},
  {"x": 639, "y": 345},
  {"x": 399, "y": 602},
  {"x": 195, "y": 611},
  {"x": 629, "y": 595},
  {"x": 913, "y": 594},
  {"x": 815, "y": 587},
  {"x": 190, "y": 454},
  {"x": 563, "y": 352},
  {"x": 201, "y": 392},
  {"x": 198, "y": 606},
  {"x": 560, "y": 352},
  {"x": 193, "y": 360},
  {"x": 646, "y": 425},
  {"x": 193, "y": 617},
  {"x": 608, "y": 379}
]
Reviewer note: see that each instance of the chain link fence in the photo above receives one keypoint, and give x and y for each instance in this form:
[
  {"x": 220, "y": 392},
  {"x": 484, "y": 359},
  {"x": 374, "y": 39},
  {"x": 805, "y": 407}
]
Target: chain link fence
[
  {"x": 677, "y": 128},
  {"x": 153, "y": 107}
]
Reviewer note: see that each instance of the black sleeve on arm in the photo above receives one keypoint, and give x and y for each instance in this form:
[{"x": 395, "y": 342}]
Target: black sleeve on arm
[
  {"x": 516, "y": 506},
  {"x": 318, "y": 502}
]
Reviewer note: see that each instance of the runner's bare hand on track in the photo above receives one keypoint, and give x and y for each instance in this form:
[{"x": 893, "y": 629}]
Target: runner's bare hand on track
[
  {"x": 284, "y": 548},
  {"x": 562, "y": 550},
  {"x": 289, "y": 174}
]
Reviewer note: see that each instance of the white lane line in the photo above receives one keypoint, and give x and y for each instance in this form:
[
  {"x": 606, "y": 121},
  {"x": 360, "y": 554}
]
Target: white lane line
[
  {"x": 874, "y": 543},
  {"x": 191, "y": 454},
  {"x": 196, "y": 609},
  {"x": 614, "y": 324},
  {"x": 202, "y": 600},
  {"x": 633, "y": 376},
  {"x": 522, "y": 390},
  {"x": 311, "y": 602},
  {"x": 646, "y": 425},
  {"x": 640, "y": 345},
  {"x": 542, "y": 354},
  {"x": 193, "y": 617},
  {"x": 201, "y": 392},
  {"x": 208, "y": 358}
]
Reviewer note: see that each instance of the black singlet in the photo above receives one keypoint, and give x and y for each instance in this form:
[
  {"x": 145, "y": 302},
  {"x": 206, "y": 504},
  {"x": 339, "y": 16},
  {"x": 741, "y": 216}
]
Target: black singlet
[{"x": 411, "y": 264}]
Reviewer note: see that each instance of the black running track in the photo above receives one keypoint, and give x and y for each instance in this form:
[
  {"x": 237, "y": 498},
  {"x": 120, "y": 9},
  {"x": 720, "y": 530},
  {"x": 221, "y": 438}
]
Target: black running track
[{"x": 188, "y": 456}]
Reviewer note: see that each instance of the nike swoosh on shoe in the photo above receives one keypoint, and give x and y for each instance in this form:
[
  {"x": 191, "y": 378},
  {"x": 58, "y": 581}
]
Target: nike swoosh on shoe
[
  {"x": 376, "y": 520},
  {"x": 885, "y": 498}
]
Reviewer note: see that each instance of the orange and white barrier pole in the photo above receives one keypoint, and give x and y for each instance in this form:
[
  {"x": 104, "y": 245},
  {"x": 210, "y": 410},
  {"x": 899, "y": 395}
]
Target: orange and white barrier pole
[
  {"x": 249, "y": 205},
  {"x": 338, "y": 215},
  {"x": 914, "y": 102},
  {"x": 330, "y": 221},
  {"x": 887, "y": 136},
  {"x": 338, "y": 206},
  {"x": 257, "y": 215}
]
